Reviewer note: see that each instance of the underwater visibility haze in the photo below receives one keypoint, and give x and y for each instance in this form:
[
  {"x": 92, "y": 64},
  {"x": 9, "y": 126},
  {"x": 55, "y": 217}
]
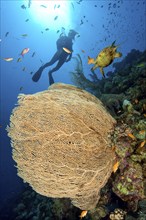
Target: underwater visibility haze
[{"x": 98, "y": 46}]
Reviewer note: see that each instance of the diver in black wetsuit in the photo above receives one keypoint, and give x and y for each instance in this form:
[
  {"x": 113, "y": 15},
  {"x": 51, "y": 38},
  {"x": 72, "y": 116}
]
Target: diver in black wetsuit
[{"x": 63, "y": 54}]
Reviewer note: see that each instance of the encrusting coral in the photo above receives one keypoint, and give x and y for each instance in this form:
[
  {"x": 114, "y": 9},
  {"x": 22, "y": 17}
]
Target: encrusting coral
[
  {"x": 118, "y": 214},
  {"x": 128, "y": 184},
  {"x": 61, "y": 143}
]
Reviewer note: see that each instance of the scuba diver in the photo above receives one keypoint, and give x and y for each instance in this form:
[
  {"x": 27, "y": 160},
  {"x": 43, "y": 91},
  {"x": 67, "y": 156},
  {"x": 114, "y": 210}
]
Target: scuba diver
[{"x": 63, "y": 54}]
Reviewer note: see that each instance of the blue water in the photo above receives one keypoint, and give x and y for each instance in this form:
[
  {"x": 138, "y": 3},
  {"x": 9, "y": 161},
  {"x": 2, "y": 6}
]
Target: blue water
[{"x": 98, "y": 23}]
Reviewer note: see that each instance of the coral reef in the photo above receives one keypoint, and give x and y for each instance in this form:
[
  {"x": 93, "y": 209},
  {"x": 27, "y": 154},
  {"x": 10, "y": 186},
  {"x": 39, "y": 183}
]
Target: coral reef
[
  {"x": 125, "y": 189},
  {"x": 128, "y": 185},
  {"x": 61, "y": 144},
  {"x": 123, "y": 93},
  {"x": 113, "y": 102},
  {"x": 35, "y": 207},
  {"x": 129, "y": 181},
  {"x": 133, "y": 57}
]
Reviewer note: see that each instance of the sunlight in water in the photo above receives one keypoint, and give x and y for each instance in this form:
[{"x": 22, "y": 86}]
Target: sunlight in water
[{"x": 50, "y": 13}]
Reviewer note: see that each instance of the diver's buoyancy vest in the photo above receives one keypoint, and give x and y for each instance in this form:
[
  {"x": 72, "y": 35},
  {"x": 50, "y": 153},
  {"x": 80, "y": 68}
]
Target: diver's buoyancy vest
[{"x": 64, "y": 41}]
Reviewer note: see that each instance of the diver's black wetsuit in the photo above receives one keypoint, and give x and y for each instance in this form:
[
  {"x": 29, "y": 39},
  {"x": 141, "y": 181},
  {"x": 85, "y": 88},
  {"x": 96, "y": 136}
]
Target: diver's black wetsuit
[{"x": 61, "y": 56}]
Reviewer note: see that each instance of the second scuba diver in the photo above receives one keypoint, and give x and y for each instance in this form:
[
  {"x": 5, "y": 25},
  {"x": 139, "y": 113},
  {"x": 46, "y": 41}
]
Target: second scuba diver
[{"x": 63, "y": 54}]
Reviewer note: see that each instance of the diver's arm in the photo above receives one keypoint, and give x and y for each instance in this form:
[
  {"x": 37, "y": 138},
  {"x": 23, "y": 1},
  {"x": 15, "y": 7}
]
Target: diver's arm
[{"x": 69, "y": 57}]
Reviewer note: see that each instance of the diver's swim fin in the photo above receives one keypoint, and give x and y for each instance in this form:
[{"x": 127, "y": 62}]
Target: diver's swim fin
[
  {"x": 51, "y": 80},
  {"x": 38, "y": 74}
]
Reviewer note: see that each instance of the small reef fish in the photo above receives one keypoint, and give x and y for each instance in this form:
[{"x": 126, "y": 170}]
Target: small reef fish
[
  {"x": 23, "y": 69},
  {"x": 81, "y": 22},
  {"x": 23, "y": 6},
  {"x": 33, "y": 54},
  {"x": 142, "y": 144},
  {"x": 83, "y": 214},
  {"x": 29, "y": 3},
  {"x": 132, "y": 136},
  {"x": 55, "y": 18},
  {"x": 19, "y": 60},
  {"x": 24, "y": 51},
  {"x": 116, "y": 166},
  {"x": 142, "y": 132},
  {"x": 6, "y": 34},
  {"x": 62, "y": 34},
  {"x": 90, "y": 60},
  {"x": 47, "y": 29},
  {"x": 8, "y": 59},
  {"x": 43, "y": 6},
  {"x": 66, "y": 50},
  {"x": 72, "y": 5},
  {"x": 21, "y": 88},
  {"x": 79, "y": 2},
  {"x": 24, "y": 35},
  {"x": 27, "y": 20},
  {"x": 83, "y": 51}
]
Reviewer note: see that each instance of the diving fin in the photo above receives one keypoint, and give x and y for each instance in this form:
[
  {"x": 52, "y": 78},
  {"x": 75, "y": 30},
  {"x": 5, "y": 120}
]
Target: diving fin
[
  {"x": 51, "y": 80},
  {"x": 38, "y": 74}
]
